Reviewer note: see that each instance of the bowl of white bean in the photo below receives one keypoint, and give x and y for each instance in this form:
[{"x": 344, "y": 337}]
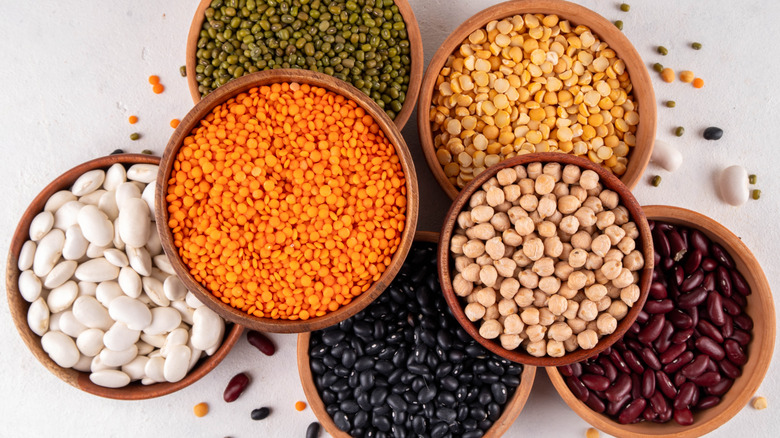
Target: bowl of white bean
[
  {"x": 94, "y": 297},
  {"x": 546, "y": 259}
]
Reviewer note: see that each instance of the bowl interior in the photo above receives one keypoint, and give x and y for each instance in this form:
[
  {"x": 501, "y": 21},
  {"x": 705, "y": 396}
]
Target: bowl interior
[
  {"x": 576, "y": 14},
  {"x": 760, "y": 306},
  {"x": 223, "y": 94},
  {"x": 609, "y": 181},
  {"x": 412, "y": 30},
  {"x": 19, "y": 307},
  {"x": 512, "y": 409}
]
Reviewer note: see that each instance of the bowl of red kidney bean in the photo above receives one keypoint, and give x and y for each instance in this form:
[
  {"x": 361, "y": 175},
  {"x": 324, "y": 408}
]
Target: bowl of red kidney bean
[{"x": 698, "y": 350}]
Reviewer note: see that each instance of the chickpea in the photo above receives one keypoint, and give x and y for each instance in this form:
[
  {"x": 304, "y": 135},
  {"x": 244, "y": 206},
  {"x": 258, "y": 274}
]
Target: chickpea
[
  {"x": 511, "y": 238},
  {"x": 533, "y": 248},
  {"x": 577, "y": 325},
  {"x": 609, "y": 199},
  {"x": 612, "y": 291},
  {"x": 495, "y": 196},
  {"x": 600, "y": 278},
  {"x": 589, "y": 179},
  {"x": 571, "y": 174},
  {"x": 588, "y": 310},
  {"x": 595, "y": 292},
  {"x": 579, "y": 193},
  {"x": 537, "y": 349},
  {"x": 626, "y": 245},
  {"x": 521, "y": 172},
  {"x": 510, "y": 342},
  {"x": 486, "y": 296},
  {"x": 600, "y": 245},
  {"x": 529, "y": 279},
  {"x": 567, "y": 292},
  {"x": 557, "y": 304},
  {"x": 477, "y": 199},
  {"x": 506, "y": 176},
  {"x": 625, "y": 279},
  {"x": 544, "y": 184},
  {"x": 512, "y": 192},
  {"x": 492, "y": 312},
  {"x": 606, "y": 323},
  {"x": 634, "y": 261},
  {"x": 568, "y": 204},
  {"x": 503, "y": 207},
  {"x": 587, "y": 339},
  {"x": 555, "y": 218},
  {"x": 603, "y": 304},
  {"x": 569, "y": 224},
  {"x": 614, "y": 254},
  {"x": 590, "y": 278},
  {"x": 631, "y": 230},
  {"x": 593, "y": 262},
  {"x": 586, "y": 216},
  {"x": 571, "y": 310},
  {"x": 482, "y": 231},
  {"x": 540, "y": 299},
  {"x": 524, "y": 297},
  {"x": 554, "y": 170},
  {"x": 561, "y": 189},
  {"x": 530, "y": 316},
  {"x": 605, "y": 219},
  {"x": 464, "y": 220},
  {"x": 494, "y": 247},
  {"x": 471, "y": 273},
  {"x": 456, "y": 244},
  {"x": 544, "y": 267},
  {"x": 618, "y": 309},
  {"x": 520, "y": 259},
  {"x": 534, "y": 169},
  {"x": 555, "y": 348},
  {"x": 490, "y": 329},
  {"x": 507, "y": 307},
  {"x": 571, "y": 344},
  {"x": 516, "y": 213},
  {"x": 546, "y": 229},
  {"x": 577, "y": 279},
  {"x": 500, "y": 222},
  {"x": 581, "y": 240},
  {"x": 621, "y": 215},
  {"x": 471, "y": 298},
  {"x": 524, "y": 226},
  {"x": 611, "y": 269},
  {"x": 473, "y": 248},
  {"x": 547, "y": 206},
  {"x": 529, "y": 202},
  {"x": 594, "y": 204},
  {"x": 566, "y": 251},
  {"x": 509, "y": 288},
  {"x": 549, "y": 285},
  {"x": 461, "y": 286},
  {"x": 536, "y": 217},
  {"x": 560, "y": 331},
  {"x": 484, "y": 260},
  {"x": 592, "y": 325},
  {"x": 535, "y": 332},
  {"x": 481, "y": 213},
  {"x": 474, "y": 311},
  {"x": 488, "y": 275},
  {"x": 492, "y": 182},
  {"x": 630, "y": 294},
  {"x": 505, "y": 267},
  {"x": 461, "y": 263},
  {"x": 553, "y": 246},
  {"x": 595, "y": 190},
  {"x": 526, "y": 186}
]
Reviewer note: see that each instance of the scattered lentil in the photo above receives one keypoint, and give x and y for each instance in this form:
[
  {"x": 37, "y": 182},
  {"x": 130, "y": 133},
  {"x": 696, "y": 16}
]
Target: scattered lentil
[
  {"x": 696, "y": 46},
  {"x": 679, "y": 131},
  {"x": 667, "y": 75},
  {"x": 592, "y": 433},
  {"x": 671, "y": 104},
  {"x": 135, "y": 136},
  {"x": 299, "y": 406},
  {"x": 759, "y": 403},
  {"x": 158, "y": 88},
  {"x": 756, "y": 194},
  {"x": 752, "y": 178},
  {"x": 713, "y": 133},
  {"x": 154, "y": 79},
  {"x": 619, "y": 24},
  {"x": 658, "y": 67},
  {"x": 656, "y": 181},
  {"x": 201, "y": 409},
  {"x": 175, "y": 123},
  {"x": 625, "y": 7},
  {"x": 698, "y": 83},
  {"x": 133, "y": 120},
  {"x": 663, "y": 50}
]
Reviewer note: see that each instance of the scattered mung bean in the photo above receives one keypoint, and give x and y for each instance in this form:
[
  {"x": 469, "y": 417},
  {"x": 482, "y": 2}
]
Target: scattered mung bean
[
  {"x": 696, "y": 46},
  {"x": 656, "y": 181},
  {"x": 658, "y": 67},
  {"x": 663, "y": 50},
  {"x": 671, "y": 104},
  {"x": 619, "y": 24},
  {"x": 625, "y": 7},
  {"x": 183, "y": 71},
  {"x": 135, "y": 136},
  {"x": 752, "y": 178},
  {"x": 679, "y": 131},
  {"x": 756, "y": 194}
]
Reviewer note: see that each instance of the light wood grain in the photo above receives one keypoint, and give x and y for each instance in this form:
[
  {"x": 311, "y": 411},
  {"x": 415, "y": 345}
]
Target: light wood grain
[
  {"x": 415, "y": 49},
  {"x": 609, "y": 181},
  {"x": 577, "y": 15},
  {"x": 512, "y": 409},
  {"x": 760, "y": 307},
  {"x": 19, "y": 307},
  {"x": 223, "y": 94}
]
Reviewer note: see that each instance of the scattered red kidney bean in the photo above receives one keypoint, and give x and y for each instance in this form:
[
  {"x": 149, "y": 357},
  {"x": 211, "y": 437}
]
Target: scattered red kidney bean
[
  {"x": 261, "y": 342},
  {"x": 235, "y": 387},
  {"x": 688, "y": 343}
]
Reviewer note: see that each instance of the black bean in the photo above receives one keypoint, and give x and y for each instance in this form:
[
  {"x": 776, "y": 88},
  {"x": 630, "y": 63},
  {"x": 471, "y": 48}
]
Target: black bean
[
  {"x": 341, "y": 420},
  {"x": 313, "y": 431},
  {"x": 500, "y": 393},
  {"x": 332, "y": 337},
  {"x": 396, "y": 403},
  {"x": 713, "y": 133},
  {"x": 260, "y": 413}
]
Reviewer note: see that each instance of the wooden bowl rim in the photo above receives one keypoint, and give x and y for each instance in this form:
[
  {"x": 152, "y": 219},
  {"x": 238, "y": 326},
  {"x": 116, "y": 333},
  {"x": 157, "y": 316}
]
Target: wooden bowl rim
[
  {"x": 603, "y": 28},
  {"x": 18, "y": 306},
  {"x": 609, "y": 181},
  {"x": 512, "y": 409},
  {"x": 220, "y": 96},
  {"x": 415, "y": 49},
  {"x": 759, "y": 357}
]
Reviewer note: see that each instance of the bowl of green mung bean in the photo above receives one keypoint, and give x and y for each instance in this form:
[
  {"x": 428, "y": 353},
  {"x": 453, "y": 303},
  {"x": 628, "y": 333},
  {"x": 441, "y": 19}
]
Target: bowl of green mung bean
[{"x": 374, "y": 45}]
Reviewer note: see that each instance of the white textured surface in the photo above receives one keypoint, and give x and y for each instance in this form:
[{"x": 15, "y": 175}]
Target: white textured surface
[{"x": 74, "y": 71}]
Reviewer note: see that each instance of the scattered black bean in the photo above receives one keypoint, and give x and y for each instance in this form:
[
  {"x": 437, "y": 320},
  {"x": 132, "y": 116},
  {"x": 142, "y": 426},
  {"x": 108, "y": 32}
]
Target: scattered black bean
[
  {"x": 713, "y": 133},
  {"x": 260, "y": 413},
  {"x": 117, "y": 151},
  {"x": 313, "y": 431}
]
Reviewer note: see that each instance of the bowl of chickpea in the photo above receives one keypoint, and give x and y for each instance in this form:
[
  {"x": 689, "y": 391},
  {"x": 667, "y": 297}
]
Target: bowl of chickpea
[{"x": 546, "y": 259}]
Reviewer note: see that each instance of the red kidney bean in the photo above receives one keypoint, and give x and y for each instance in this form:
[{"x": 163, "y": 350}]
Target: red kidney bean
[
  {"x": 610, "y": 372},
  {"x": 672, "y": 353},
  {"x": 595, "y": 403},
  {"x": 652, "y": 330},
  {"x": 614, "y": 407},
  {"x": 633, "y": 362},
  {"x": 657, "y": 276},
  {"x": 694, "y": 314},
  {"x": 740, "y": 284},
  {"x": 576, "y": 369},
  {"x": 744, "y": 322},
  {"x": 566, "y": 370},
  {"x": 707, "y": 379},
  {"x": 658, "y": 402},
  {"x": 665, "y": 384},
  {"x": 592, "y": 368},
  {"x": 619, "y": 363},
  {"x": 636, "y": 386},
  {"x": 648, "y": 383},
  {"x": 578, "y": 388},
  {"x": 651, "y": 224},
  {"x": 679, "y": 379},
  {"x": 692, "y": 299},
  {"x": 681, "y": 361},
  {"x": 700, "y": 241},
  {"x": 730, "y": 306},
  {"x": 679, "y": 319},
  {"x": 665, "y": 416},
  {"x": 658, "y": 291},
  {"x": 693, "y": 281},
  {"x": 650, "y": 358},
  {"x": 711, "y": 364},
  {"x": 683, "y": 417},
  {"x": 742, "y": 337},
  {"x": 635, "y": 328},
  {"x": 661, "y": 306},
  {"x": 710, "y": 330},
  {"x": 261, "y": 342},
  {"x": 649, "y": 414},
  {"x": 728, "y": 326},
  {"x": 715, "y": 308},
  {"x": 679, "y": 275},
  {"x": 734, "y": 352},
  {"x": 697, "y": 367},
  {"x": 661, "y": 243},
  {"x": 708, "y": 402},
  {"x": 677, "y": 246},
  {"x": 619, "y": 389},
  {"x": 632, "y": 411},
  {"x": 633, "y": 344},
  {"x": 710, "y": 348},
  {"x": 684, "y": 397},
  {"x": 720, "y": 388},
  {"x": 729, "y": 369},
  {"x": 724, "y": 281},
  {"x": 720, "y": 254},
  {"x": 739, "y": 299},
  {"x": 235, "y": 387},
  {"x": 709, "y": 264},
  {"x": 693, "y": 261},
  {"x": 682, "y": 336},
  {"x": 709, "y": 281},
  {"x": 666, "y": 263},
  {"x": 595, "y": 382},
  {"x": 642, "y": 316}
]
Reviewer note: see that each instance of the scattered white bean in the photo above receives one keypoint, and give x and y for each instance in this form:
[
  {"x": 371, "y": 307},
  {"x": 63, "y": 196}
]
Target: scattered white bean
[
  {"x": 734, "y": 185},
  {"x": 666, "y": 156}
]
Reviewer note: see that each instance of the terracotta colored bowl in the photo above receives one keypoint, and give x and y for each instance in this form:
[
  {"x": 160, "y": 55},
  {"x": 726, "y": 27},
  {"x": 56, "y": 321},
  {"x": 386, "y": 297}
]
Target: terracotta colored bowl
[
  {"x": 415, "y": 50},
  {"x": 577, "y": 15},
  {"x": 19, "y": 307},
  {"x": 609, "y": 181},
  {"x": 760, "y": 306},
  {"x": 512, "y": 409},
  {"x": 223, "y": 94}
]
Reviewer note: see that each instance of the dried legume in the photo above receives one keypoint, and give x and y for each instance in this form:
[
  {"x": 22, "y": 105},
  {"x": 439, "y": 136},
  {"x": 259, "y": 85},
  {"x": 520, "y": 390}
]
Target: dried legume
[
  {"x": 154, "y": 79},
  {"x": 158, "y": 88},
  {"x": 287, "y": 201},
  {"x": 663, "y": 50},
  {"x": 656, "y": 181},
  {"x": 696, "y": 46},
  {"x": 201, "y": 409},
  {"x": 313, "y": 431},
  {"x": 759, "y": 403},
  {"x": 135, "y": 136},
  {"x": 299, "y": 406},
  {"x": 235, "y": 387},
  {"x": 625, "y": 7},
  {"x": 756, "y": 194},
  {"x": 133, "y": 120},
  {"x": 658, "y": 67},
  {"x": 260, "y": 413},
  {"x": 183, "y": 71},
  {"x": 698, "y": 83},
  {"x": 713, "y": 133},
  {"x": 592, "y": 433},
  {"x": 752, "y": 178},
  {"x": 671, "y": 104},
  {"x": 679, "y": 131},
  {"x": 175, "y": 123},
  {"x": 667, "y": 75},
  {"x": 686, "y": 76},
  {"x": 261, "y": 342},
  {"x": 146, "y": 152},
  {"x": 619, "y": 24}
]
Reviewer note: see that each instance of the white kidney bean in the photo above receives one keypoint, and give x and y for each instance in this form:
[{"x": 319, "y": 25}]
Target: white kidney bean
[
  {"x": 67, "y": 215},
  {"x": 88, "y": 182},
  {"x": 62, "y": 297},
  {"x": 90, "y": 342},
  {"x": 92, "y": 198},
  {"x": 48, "y": 252},
  {"x": 119, "y": 337},
  {"x": 174, "y": 289},
  {"x": 107, "y": 204},
  {"x": 116, "y": 257},
  {"x": 154, "y": 290},
  {"x": 113, "y": 358},
  {"x": 60, "y": 348},
  {"x": 59, "y": 274},
  {"x": 115, "y": 175},
  {"x": 145, "y": 173},
  {"x": 97, "y": 270},
  {"x": 30, "y": 286},
  {"x": 153, "y": 245},
  {"x": 59, "y": 199},
  {"x": 140, "y": 260},
  {"x": 41, "y": 224},
  {"x": 125, "y": 191},
  {"x": 110, "y": 378},
  {"x": 134, "y": 222},
  {"x": 164, "y": 320},
  {"x": 192, "y": 300},
  {"x": 176, "y": 363},
  {"x": 154, "y": 369},
  {"x": 666, "y": 156},
  {"x": 207, "y": 328},
  {"x": 95, "y": 225},
  {"x": 84, "y": 364},
  {"x": 184, "y": 310},
  {"x": 70, "y": 325},
  {"x": 76, "y": 245},
  {"x": 733, "y": 185},
  {"x": 136, "y": 367},
  {"x": 91, "y": 313},
  {"x": 38, "y": 317}
]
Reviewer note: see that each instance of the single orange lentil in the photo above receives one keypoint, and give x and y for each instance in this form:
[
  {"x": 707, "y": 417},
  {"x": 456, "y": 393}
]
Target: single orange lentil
[
  {"x": 201, "y": 409},
  {"x": 133, "y": 120},
  {"x": 154, "y": 79},
  {"x": 299, "y": 406},
  {"x": 158, "y": 88},
  {"x": 667, "y": 75},
  {"x": 698, "y": 83},
  {"x": 175, "y": 123}
]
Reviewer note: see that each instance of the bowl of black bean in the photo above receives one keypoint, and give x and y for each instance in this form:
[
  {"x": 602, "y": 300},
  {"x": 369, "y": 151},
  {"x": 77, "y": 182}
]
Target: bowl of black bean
[
  {"x": 374, "y": 45},
  {"x": 403, "y": 366},
  {"x": 699, "y": 349}
]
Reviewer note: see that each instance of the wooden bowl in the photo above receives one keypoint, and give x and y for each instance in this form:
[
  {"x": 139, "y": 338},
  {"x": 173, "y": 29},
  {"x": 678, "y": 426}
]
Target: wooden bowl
[
  {"x": 415, "y": 49},
  {"x": 609, "y": 181},
  {"x": 218, "y": 97},
  {"x": 760, "y": 306},
  {"x": 640, "y": 78},
  {"x": 19, "y": 307},
  {"x": 512, "y": 409}
]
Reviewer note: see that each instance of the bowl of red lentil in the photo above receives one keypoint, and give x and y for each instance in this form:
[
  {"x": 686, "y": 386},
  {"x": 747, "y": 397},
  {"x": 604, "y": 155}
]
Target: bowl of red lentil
[
  {"x": 287, "y": 201},
  {"x": 535, "y": 76}
]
